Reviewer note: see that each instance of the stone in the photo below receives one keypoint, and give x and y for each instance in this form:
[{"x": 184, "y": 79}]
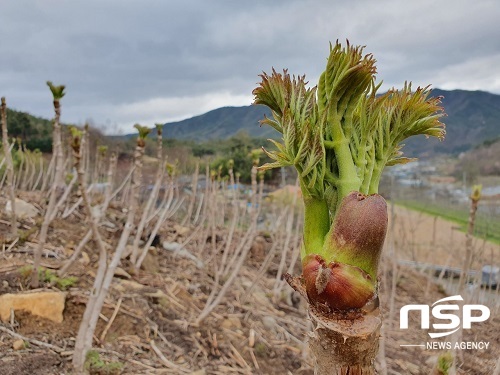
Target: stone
[
  {"x": 432, "y": 361},
  {"x": 49, "y": 305},
  {"x": 181, "y": 230},
  {"x": 171, "y": 246},
  {"x": 18, "y": 344},
  {"x": 84, "y": 259},
  {"x": 269, "y": 322},
  {"x": 231, "y": 323},
  {"x": 178, "y": 250},
  {"x": 150, "y": 263},
  {"x": 24, "y": 210}
]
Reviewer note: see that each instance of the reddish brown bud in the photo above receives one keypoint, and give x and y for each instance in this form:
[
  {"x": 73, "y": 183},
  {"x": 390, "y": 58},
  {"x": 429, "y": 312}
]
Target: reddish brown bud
[
  {"x": 336, "y": 286},
  {"x": 358, "y": 232}
]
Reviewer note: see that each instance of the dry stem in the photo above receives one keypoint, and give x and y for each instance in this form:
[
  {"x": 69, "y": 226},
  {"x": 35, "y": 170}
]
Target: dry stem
[{"x": 10, "y": 169}]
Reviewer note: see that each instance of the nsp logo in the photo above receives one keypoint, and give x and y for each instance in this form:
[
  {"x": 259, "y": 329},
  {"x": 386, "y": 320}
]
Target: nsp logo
[{"x": 439, "y": 311}]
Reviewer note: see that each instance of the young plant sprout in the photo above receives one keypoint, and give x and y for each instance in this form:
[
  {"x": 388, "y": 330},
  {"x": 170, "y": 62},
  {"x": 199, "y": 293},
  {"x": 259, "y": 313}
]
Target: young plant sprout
[
  {"x": 340, "y": 135},
  {"x": 58, "y": 159},
  {"x": 143, "y": 133}
]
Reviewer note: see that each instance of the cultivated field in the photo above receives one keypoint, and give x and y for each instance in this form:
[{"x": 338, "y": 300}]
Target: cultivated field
[{"x": 150, "y": 319}]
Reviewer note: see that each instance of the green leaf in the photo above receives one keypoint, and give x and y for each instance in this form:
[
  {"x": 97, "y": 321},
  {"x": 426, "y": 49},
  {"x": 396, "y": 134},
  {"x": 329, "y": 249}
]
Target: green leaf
[
  {"x": 341, "y": 134},
  {"x": 399, "y": 161},
  {"x": 143, "y": 131},
  {"x": 57, "y": 91}
]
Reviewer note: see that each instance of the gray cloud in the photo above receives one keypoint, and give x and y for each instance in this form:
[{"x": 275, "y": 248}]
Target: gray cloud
[{"x": 126, "y": 61}]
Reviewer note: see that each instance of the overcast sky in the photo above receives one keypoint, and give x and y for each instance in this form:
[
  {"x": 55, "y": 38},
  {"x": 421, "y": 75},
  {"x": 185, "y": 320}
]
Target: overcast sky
[{"x": 148, "y": 61}]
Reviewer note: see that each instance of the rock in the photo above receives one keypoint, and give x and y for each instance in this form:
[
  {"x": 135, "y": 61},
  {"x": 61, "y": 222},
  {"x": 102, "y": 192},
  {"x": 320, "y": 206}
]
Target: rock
[
  {"x": 84, "y": 259},
  {"x": 269, "y": 322},
  {"x": 96, "y": 212},
  {"x": 292, "y": 298},
  {"x": 24, "y": 209},
  {"x": 178, "y": 250},
  {"x": 231, "y": 323},
  {"x": 432, "y": 361},
  {"x": 49, "y": 305},
  {"x": 150, "y": 263},
  {"x": 171, "y": 246},
  {"x": 18, "y": 344},
  {"x": 181, "y": 231}
]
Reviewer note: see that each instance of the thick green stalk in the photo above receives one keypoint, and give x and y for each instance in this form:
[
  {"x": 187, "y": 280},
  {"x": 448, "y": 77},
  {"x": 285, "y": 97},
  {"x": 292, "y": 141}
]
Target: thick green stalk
[
  {"x": 316, "y": 225},
  {"x": 376, "y": 176},
  {"x": 348, "y": 178},
  {"x": 368, "y": 170}
]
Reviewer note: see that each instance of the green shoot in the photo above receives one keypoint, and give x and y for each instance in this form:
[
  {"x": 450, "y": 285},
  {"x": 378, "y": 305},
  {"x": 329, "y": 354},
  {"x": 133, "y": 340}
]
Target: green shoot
[{"x": 57, "y": 91}]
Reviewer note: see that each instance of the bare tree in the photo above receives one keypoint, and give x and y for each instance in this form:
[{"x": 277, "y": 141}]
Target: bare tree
[
  {"x": 105, "y": 271},
  {"x": 57, "y": 156},
  {"x": 10, "y": 169}
]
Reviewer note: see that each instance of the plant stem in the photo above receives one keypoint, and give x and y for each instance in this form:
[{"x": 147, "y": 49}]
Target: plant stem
[
  {"x": 316, "y": 225},
  {"x": 10, "y": 170},
  {"x": 348, "y": 178},
  {"x": 464, "y": 275},
  {"x": 375, "y": 177},
  {"x": 58, "y": 161},
  {"x": 152, "y": 199},
  {"x": 342, "y": 347}
]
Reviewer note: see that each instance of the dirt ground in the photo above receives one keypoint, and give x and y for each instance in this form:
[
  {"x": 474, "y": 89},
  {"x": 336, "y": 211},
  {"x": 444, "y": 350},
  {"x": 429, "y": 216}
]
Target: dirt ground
[
  {"x": 252, "y": 331},
  {"x": 425, "y": 238}
]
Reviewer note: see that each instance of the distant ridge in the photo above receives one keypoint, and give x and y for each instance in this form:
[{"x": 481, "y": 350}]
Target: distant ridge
[
  {"x": 222, "y": 123},
  {"x": 472, "y": 118}
]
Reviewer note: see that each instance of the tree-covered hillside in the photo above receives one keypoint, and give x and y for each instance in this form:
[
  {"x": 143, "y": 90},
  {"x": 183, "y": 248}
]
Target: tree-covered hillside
[
  {"x": 472, "y": 118},
  {"x": 221, "y": 123},
  {"x": 35, "y": 132}
]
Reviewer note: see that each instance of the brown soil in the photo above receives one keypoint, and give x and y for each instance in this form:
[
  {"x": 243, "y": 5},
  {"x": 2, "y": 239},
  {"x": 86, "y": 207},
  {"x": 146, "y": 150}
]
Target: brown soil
[
  {"x": 425, "y": 238},
  {"x": 248, "y": 333}
]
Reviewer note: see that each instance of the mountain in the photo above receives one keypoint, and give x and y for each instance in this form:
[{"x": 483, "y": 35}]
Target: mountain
[
  {"x": 222, "y": 123},
  {"x": 36, "y": 132},
  {"x": 472, "y": 118}
]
